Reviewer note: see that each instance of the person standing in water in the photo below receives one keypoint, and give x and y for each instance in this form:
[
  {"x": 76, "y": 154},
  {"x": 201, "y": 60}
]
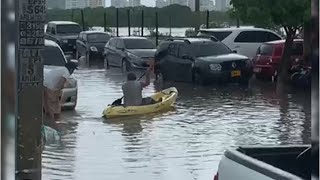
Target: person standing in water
[{"x": 53, "y": 82}]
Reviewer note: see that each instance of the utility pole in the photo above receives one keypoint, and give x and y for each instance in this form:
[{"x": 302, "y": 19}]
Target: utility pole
[
  {"x": 197, "y": 12},
  {"x": 30, "y": 17}
]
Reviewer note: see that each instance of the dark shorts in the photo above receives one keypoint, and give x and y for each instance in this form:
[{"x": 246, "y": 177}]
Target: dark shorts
[{"x": 147, "y": 100}]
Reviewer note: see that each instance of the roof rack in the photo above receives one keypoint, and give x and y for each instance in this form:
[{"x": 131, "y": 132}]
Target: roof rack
[
  {"x": 177, "y": 38},
  {"x": 212, "y": 38}
]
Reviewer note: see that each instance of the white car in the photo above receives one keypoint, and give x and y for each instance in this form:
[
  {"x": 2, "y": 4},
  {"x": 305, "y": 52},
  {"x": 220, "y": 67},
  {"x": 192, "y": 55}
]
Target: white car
[
  {"x": 244, "y": 40},
  {"x": 54, "y": 57},
  {"x": 285, "y": 162}
]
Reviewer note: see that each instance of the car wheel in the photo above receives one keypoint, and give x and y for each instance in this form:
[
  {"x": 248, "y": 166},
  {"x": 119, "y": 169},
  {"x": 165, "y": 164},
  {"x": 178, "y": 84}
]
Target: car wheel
[
  {"x": 198, "y": 79},
  {"x": 106, "y": 62},
  {"x": 125, "y": 66},
  {"x": 87, "y": 58}
]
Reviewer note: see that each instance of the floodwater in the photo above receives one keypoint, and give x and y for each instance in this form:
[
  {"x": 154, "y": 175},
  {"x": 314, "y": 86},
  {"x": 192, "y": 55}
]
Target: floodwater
[{"x": 184, "y": 143}]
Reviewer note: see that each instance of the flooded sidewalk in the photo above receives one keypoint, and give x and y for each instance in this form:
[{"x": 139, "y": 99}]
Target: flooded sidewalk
[{"x": 185, "y": 143}]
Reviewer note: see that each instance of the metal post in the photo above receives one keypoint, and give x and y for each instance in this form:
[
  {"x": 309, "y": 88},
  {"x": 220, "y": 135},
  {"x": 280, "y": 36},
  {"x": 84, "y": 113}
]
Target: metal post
[
  {"x": 31, "y": 20},
  {"x": 157, "y": 25},
  {"x": 82, "y": 20},
  {"x": 117, "y": 21},
  {"x": 238, "y": 22},
  {"x": 170, "y": 25},
  {"x": 105, "y": 21},
  {"x": 208, "y": 16},
  {"x": 72, "y": 14},
  {"x": 197, "y": 13},
  {"x": 129, "y": 28},
  {"x": 142, "y": 22}
]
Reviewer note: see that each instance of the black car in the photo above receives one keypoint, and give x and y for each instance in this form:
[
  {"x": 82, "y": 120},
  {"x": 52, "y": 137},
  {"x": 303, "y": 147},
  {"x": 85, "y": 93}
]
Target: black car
[
  {"x": 201, "y": 60},
  {"x": 90, "y": 44},
  {"x": 129, "y": 53},
  {"x": 64, "y": 33}
]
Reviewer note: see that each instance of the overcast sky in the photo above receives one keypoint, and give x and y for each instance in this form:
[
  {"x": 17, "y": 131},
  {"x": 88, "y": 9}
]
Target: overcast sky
[{"x": 143, "y": 2}]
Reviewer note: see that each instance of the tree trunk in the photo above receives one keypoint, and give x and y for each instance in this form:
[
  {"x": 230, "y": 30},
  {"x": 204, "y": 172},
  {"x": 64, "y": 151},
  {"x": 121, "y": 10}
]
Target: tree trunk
[{"x": 283, "y": 72}]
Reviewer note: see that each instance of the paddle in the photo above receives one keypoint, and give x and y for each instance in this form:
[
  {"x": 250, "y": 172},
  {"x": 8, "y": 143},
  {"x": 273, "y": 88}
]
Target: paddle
[{"x": 118, "y": 101}]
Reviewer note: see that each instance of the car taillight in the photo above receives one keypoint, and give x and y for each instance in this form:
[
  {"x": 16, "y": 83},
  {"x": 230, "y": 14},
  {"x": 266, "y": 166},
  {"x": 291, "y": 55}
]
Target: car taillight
[
  {"x": 216, "y": 177},
  {"x": 278, "y": 51}
]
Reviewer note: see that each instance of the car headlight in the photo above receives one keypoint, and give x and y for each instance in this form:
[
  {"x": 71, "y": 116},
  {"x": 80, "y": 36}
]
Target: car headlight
[
  {"x": 65, "y": 41},
  {"x": 215, "y": 67},
  {"x": 92, "y": 48},
  {"x": 132, "y": 56}
]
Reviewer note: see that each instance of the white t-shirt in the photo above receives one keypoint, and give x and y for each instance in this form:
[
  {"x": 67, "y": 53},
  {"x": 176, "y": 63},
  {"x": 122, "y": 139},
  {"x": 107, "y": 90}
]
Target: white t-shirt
[{"x": 52, "y": 77}]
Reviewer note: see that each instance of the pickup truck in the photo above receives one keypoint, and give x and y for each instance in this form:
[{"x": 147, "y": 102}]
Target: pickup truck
[{"x": 266, "y": 163}]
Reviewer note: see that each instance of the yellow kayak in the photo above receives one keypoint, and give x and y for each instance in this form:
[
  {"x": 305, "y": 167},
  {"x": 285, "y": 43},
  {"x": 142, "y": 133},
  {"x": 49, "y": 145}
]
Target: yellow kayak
[{"x": 165, "y": 99}]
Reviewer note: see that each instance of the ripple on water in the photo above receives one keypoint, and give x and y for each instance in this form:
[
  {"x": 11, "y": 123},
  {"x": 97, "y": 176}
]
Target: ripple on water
[{"x": 185, "y": 143}]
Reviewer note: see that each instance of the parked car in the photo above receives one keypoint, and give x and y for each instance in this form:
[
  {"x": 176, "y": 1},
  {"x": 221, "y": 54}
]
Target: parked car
[
  {"x": 129, "y": 52},
  {"x": 64, "y": 33},
  {"x": 201, "y": 60},
  {"x": 54, "y": 57},
  {"x": 269, "y": 55},
  {"x": 266, "y": 163},
  {"x": 90, "y": 44},
  {"x": 244, "y": 40}
]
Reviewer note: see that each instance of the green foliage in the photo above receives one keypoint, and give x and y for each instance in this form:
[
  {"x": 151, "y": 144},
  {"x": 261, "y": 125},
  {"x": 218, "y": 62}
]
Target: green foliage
[
  {"x": 174, "y": 16},
  {"x": 290, "y": 14}
]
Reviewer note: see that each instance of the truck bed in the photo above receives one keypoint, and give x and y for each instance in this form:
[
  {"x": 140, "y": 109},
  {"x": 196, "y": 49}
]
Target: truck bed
[{"x": 282, "y": 157}]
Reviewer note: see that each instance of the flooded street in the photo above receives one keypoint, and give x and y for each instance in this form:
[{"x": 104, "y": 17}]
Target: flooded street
[{"x": 185, "y": 143}]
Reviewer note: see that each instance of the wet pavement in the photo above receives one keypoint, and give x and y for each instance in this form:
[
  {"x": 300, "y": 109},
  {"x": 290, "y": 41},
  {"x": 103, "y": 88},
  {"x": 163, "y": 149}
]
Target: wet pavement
[{"x": 184, "y": 143}]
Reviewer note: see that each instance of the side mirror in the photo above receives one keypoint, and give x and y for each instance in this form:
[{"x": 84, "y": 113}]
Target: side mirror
[
  {"x": 68, "y": 57},
  {"x": 235, "y": 51},
  {"x": 75, "y": 61}
]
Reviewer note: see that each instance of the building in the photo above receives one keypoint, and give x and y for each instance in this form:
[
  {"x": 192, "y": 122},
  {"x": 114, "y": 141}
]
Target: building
[
  {"x": 56, "y": 4},
  {"x": 119, "y": 3},
  {"x": 192, "y": 4},
  {"x": 134, "y": 3},
  {"x": 73, "y": 4},
  {"x": 222, "y": 5},
  {"x": 96, "y": 3},
  {"x": 161, "y": 3},
  {"x": 206, "y": 5}
]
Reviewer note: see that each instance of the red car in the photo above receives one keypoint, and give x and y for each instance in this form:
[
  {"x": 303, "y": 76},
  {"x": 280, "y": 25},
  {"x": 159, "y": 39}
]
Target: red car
[{"x": 269, "y": 55}]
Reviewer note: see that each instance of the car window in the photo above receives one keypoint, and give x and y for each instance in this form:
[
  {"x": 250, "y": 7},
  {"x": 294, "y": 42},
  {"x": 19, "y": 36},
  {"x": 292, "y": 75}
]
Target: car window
[
  {"x": 184, "y": 49},
  {"x": 221, "y": 35},
  {"x": 265, "y": 50},
  {"x": 98, "y": 37},
  {"x": 173, "y": 49},
  {"x": 48, "y": 30},
  {"x": 112, "y": 42},
  {"x": 119, "y": 44},
  {"x": 53, "y": 56},
  {"x": 297, "y": 49},
  {"x": 68, "y": 29},
  {"x": 138, "y": 44},
  {"x": 246, "y": 37},
  {"x": 256, "y": 37},
  {"x": 210, "y": 49}
]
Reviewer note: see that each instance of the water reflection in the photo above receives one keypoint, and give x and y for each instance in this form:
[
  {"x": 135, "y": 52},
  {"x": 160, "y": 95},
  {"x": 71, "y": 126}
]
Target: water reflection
[{"x": 183, "y": 143}]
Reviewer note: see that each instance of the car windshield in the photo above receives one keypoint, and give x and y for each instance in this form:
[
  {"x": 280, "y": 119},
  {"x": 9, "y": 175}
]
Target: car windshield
[
  {"x": 212, "y": 49},
  {"x": 138, "y": 44},
  {"x": 265, "y": 50},
  {"x": 98, "y": 37},
  {"x": 53, "y": 56},
  {"x": 68, "y": 29},
  {"x": 221, "y": 35}
]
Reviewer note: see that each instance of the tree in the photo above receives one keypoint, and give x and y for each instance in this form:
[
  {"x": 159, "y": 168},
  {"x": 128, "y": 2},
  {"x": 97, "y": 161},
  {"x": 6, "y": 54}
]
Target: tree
[{"x": 288, "y": 14}]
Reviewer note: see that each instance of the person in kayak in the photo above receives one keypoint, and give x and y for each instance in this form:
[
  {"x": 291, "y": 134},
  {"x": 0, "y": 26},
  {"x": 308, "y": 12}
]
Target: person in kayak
[{"x": 132, "y": 89}]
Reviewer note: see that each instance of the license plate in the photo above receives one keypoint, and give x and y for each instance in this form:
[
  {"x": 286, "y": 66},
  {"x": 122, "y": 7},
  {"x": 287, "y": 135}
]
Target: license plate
[
  {"x": 257, "y": 70},
  {"x": 235, "y": 73}
]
